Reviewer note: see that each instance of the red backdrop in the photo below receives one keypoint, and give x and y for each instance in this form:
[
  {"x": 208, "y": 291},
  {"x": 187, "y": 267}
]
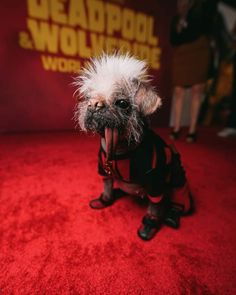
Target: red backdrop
[{"x": 44, "y": 41}]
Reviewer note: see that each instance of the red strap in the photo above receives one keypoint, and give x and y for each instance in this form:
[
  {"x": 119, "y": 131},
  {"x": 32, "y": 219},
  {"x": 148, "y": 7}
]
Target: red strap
[{"x": 155, "y": 199}]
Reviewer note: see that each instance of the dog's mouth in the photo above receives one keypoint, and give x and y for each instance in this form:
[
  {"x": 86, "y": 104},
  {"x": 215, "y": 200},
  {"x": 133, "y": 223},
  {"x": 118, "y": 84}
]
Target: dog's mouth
[
  {"x": 99, "y": 121},
  {"x": 110, "y": 126},
  {"x": 114, "y": 125}
]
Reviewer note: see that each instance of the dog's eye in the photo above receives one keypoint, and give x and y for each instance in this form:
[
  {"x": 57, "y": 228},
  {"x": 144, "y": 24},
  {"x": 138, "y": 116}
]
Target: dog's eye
[{"x": 122, "y": 103}]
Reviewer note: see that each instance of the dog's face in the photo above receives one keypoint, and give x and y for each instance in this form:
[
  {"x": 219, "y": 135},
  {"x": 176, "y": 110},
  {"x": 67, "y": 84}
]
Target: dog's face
[{"x": 116, "y": 94}]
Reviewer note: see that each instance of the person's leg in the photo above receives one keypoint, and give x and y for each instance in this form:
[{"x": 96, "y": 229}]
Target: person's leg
[
  {"x": 197, "y": 94},
  {"x": 232, "y": 117},
  {"x": 179, "y": 99},
  {"x": 179, "y": 93}
]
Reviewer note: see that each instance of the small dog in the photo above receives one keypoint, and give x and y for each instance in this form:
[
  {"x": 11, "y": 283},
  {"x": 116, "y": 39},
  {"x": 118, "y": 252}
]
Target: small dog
[{"x": 115, "y": 99}]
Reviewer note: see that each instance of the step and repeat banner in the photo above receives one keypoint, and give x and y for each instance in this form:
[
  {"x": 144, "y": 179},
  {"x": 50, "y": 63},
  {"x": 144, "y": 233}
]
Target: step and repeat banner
[{"x": 44, "y": 43}]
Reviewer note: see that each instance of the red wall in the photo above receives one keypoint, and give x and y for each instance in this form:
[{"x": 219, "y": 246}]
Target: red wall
[{"x": 35, "y": 98}]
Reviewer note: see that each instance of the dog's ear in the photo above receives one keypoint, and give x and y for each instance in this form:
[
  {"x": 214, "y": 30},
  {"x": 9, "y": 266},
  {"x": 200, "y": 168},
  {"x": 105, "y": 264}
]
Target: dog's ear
[{"x": 147, "y": 100}]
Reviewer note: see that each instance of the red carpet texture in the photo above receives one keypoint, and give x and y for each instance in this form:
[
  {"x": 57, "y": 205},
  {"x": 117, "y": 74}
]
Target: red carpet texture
[{"x": 53, "y": 243}]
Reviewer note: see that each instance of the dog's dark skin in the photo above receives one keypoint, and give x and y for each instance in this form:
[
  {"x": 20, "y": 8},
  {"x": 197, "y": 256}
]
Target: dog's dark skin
[
  {"x": 116, "y": 116},
  {"x": 121, "y": 121}
]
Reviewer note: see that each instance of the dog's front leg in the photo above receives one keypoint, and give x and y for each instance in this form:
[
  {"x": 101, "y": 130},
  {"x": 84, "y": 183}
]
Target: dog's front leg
[
  {"x": 154, "y": 217},
  {"x": 106, "y": 198},
  {"x": 108, "y": 188}
]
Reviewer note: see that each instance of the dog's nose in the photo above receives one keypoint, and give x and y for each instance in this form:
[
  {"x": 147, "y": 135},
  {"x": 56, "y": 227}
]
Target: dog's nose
[{"x": 95, "y": 103}]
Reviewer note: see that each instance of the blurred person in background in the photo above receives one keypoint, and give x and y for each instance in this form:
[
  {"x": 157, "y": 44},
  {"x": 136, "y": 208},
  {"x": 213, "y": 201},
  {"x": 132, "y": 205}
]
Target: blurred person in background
[
  {"x": 230, "y": 128},
  {"x": 189, "y": 37}
]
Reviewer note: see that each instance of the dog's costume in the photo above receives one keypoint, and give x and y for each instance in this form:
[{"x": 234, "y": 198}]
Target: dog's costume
[
  {"x": 131, "y": 154},
  {"x": 157, "y": 168},
  {"x": 151, "y": 164},
  {"x": 154, "y": 165}
]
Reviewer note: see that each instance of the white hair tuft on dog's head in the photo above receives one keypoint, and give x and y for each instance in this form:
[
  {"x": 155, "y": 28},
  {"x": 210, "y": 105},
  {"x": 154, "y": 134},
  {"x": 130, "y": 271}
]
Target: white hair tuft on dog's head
[
  {"x": 102, "y": 76},
  {"x": 103, "y": 73}
]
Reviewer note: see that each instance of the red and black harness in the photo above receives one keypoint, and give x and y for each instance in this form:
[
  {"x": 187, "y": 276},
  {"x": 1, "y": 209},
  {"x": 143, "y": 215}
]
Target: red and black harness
[{"x": 149, "y": 165}]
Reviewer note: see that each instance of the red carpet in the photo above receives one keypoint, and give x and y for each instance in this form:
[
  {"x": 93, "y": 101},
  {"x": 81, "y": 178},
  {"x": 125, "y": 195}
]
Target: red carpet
[{"x": 53, "y": 243}]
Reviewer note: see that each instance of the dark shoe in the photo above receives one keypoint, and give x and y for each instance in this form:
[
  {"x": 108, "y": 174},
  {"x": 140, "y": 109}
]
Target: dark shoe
[
  {"x": 172, "y": 217},
  {"x": 176, "y": 211},
  {"x": 150, "y": 225},
  {"x": 191, "y": 137},
  {"x": 103, "y": 202},
  {"x": 174, "y": 135}
]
